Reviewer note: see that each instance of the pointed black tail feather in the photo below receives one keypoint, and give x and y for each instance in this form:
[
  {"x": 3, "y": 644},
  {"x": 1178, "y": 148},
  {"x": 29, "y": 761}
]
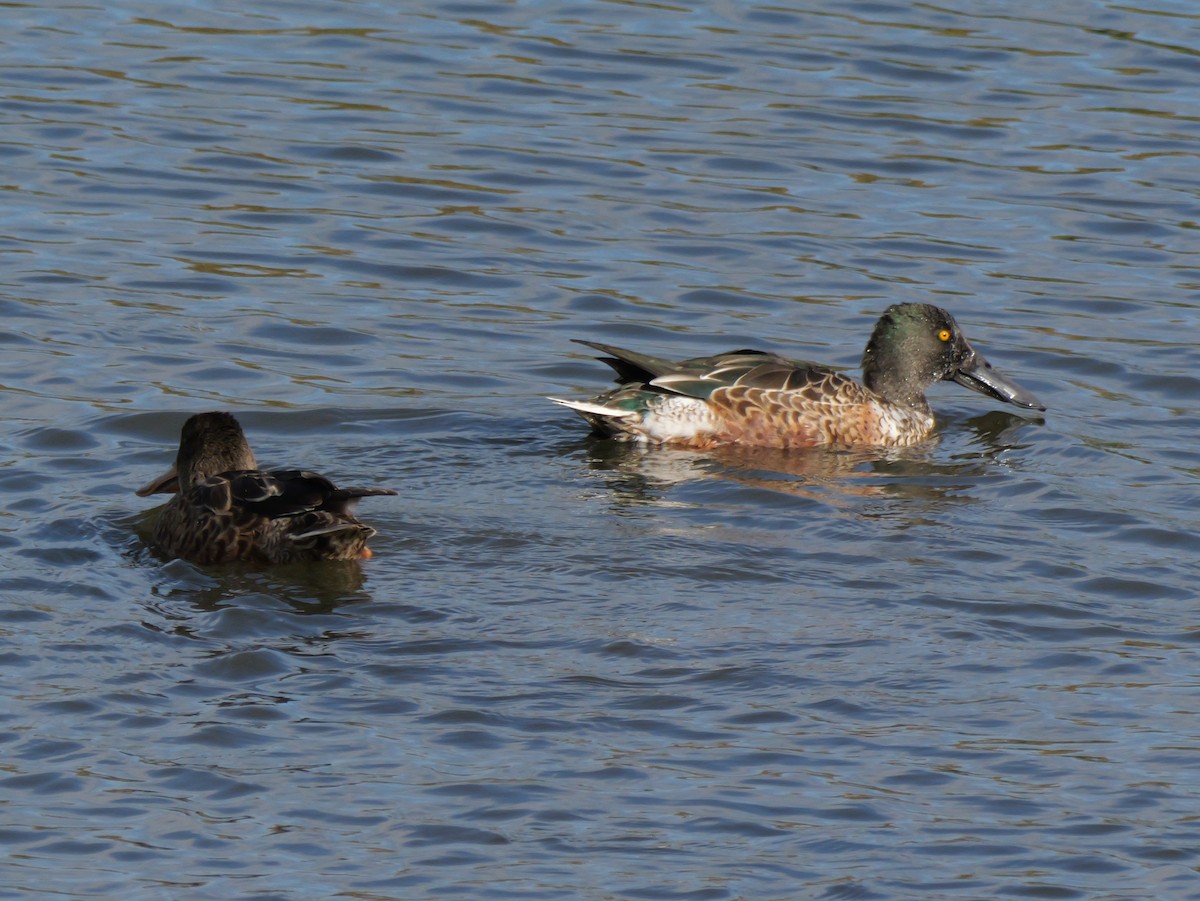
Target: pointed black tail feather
[{"x": 342, "y": 500}]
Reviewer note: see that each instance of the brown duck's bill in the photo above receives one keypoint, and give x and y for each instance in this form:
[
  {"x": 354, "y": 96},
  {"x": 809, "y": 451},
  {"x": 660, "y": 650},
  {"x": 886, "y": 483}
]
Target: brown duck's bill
[
  {"x": 167, "y": 483},
  {"x": 977, "y": 374}
]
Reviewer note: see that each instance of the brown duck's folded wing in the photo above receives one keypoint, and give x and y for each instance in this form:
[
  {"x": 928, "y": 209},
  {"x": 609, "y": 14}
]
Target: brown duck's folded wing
[{"x": 285, "y": 492}]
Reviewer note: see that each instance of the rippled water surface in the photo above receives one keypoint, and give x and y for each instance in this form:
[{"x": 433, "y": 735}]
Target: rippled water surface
[{"x": 965, "y": 670}]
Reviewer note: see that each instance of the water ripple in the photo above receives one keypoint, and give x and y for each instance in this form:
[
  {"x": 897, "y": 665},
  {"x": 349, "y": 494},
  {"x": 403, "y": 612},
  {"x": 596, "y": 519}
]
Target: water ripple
[{"x": 960, "y": 670}]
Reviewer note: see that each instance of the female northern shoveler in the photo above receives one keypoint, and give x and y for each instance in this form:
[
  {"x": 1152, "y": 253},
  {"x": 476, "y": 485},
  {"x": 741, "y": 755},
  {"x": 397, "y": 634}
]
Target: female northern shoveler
[
  {"x": 226, "y": 509},
  {"x": 756, "y": 398}
]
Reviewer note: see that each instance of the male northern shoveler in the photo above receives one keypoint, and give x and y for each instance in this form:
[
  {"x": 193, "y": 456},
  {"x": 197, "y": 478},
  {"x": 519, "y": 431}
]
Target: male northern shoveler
[
  {"x": 226, "y": 509},
  {"x": 756, "y": 398}
]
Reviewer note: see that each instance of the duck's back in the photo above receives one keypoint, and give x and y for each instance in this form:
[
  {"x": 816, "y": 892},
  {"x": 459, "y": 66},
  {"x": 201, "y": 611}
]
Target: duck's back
[
  {"x": 745, "y": 397},
  {"x": 285, "y": 516}
]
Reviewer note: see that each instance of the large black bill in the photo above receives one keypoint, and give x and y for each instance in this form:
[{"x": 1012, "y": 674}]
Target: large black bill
[{"x": 977, "y": 374}]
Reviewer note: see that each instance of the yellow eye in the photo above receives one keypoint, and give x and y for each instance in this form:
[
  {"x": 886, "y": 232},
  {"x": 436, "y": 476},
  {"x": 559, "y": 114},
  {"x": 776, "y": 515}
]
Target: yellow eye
[{"x": 944, "y": 335}]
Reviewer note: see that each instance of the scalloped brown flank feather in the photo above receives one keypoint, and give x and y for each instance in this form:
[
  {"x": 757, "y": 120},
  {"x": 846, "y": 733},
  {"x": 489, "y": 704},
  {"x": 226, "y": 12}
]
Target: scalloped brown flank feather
[
  {"x": 818, "y": 407},
  {"x": 831, "y": 409}
]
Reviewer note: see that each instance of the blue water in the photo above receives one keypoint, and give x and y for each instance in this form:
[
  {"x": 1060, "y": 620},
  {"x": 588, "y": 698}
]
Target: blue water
[{"x": 963, "y": 670}]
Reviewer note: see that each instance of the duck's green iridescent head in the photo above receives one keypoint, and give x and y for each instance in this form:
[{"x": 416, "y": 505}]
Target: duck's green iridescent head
[{"x": 917, "y": 344}]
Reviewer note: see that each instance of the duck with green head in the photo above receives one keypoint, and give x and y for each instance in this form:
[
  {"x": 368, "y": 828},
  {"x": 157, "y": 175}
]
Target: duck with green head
[
  {"x": 757, "y": 398},
  {"x": 226, "y": 509}
]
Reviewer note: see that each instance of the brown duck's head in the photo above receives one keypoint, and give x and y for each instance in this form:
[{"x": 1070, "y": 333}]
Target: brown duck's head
[
  {"x": 917, "y": 344},
  {"x": 211, "y": 443}
]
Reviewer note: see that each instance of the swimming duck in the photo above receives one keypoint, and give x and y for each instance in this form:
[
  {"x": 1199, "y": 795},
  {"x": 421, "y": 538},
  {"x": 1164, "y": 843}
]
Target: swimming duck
[
  {"x": 226, "y": 509},
  {"x": 752, "y": 397}
]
